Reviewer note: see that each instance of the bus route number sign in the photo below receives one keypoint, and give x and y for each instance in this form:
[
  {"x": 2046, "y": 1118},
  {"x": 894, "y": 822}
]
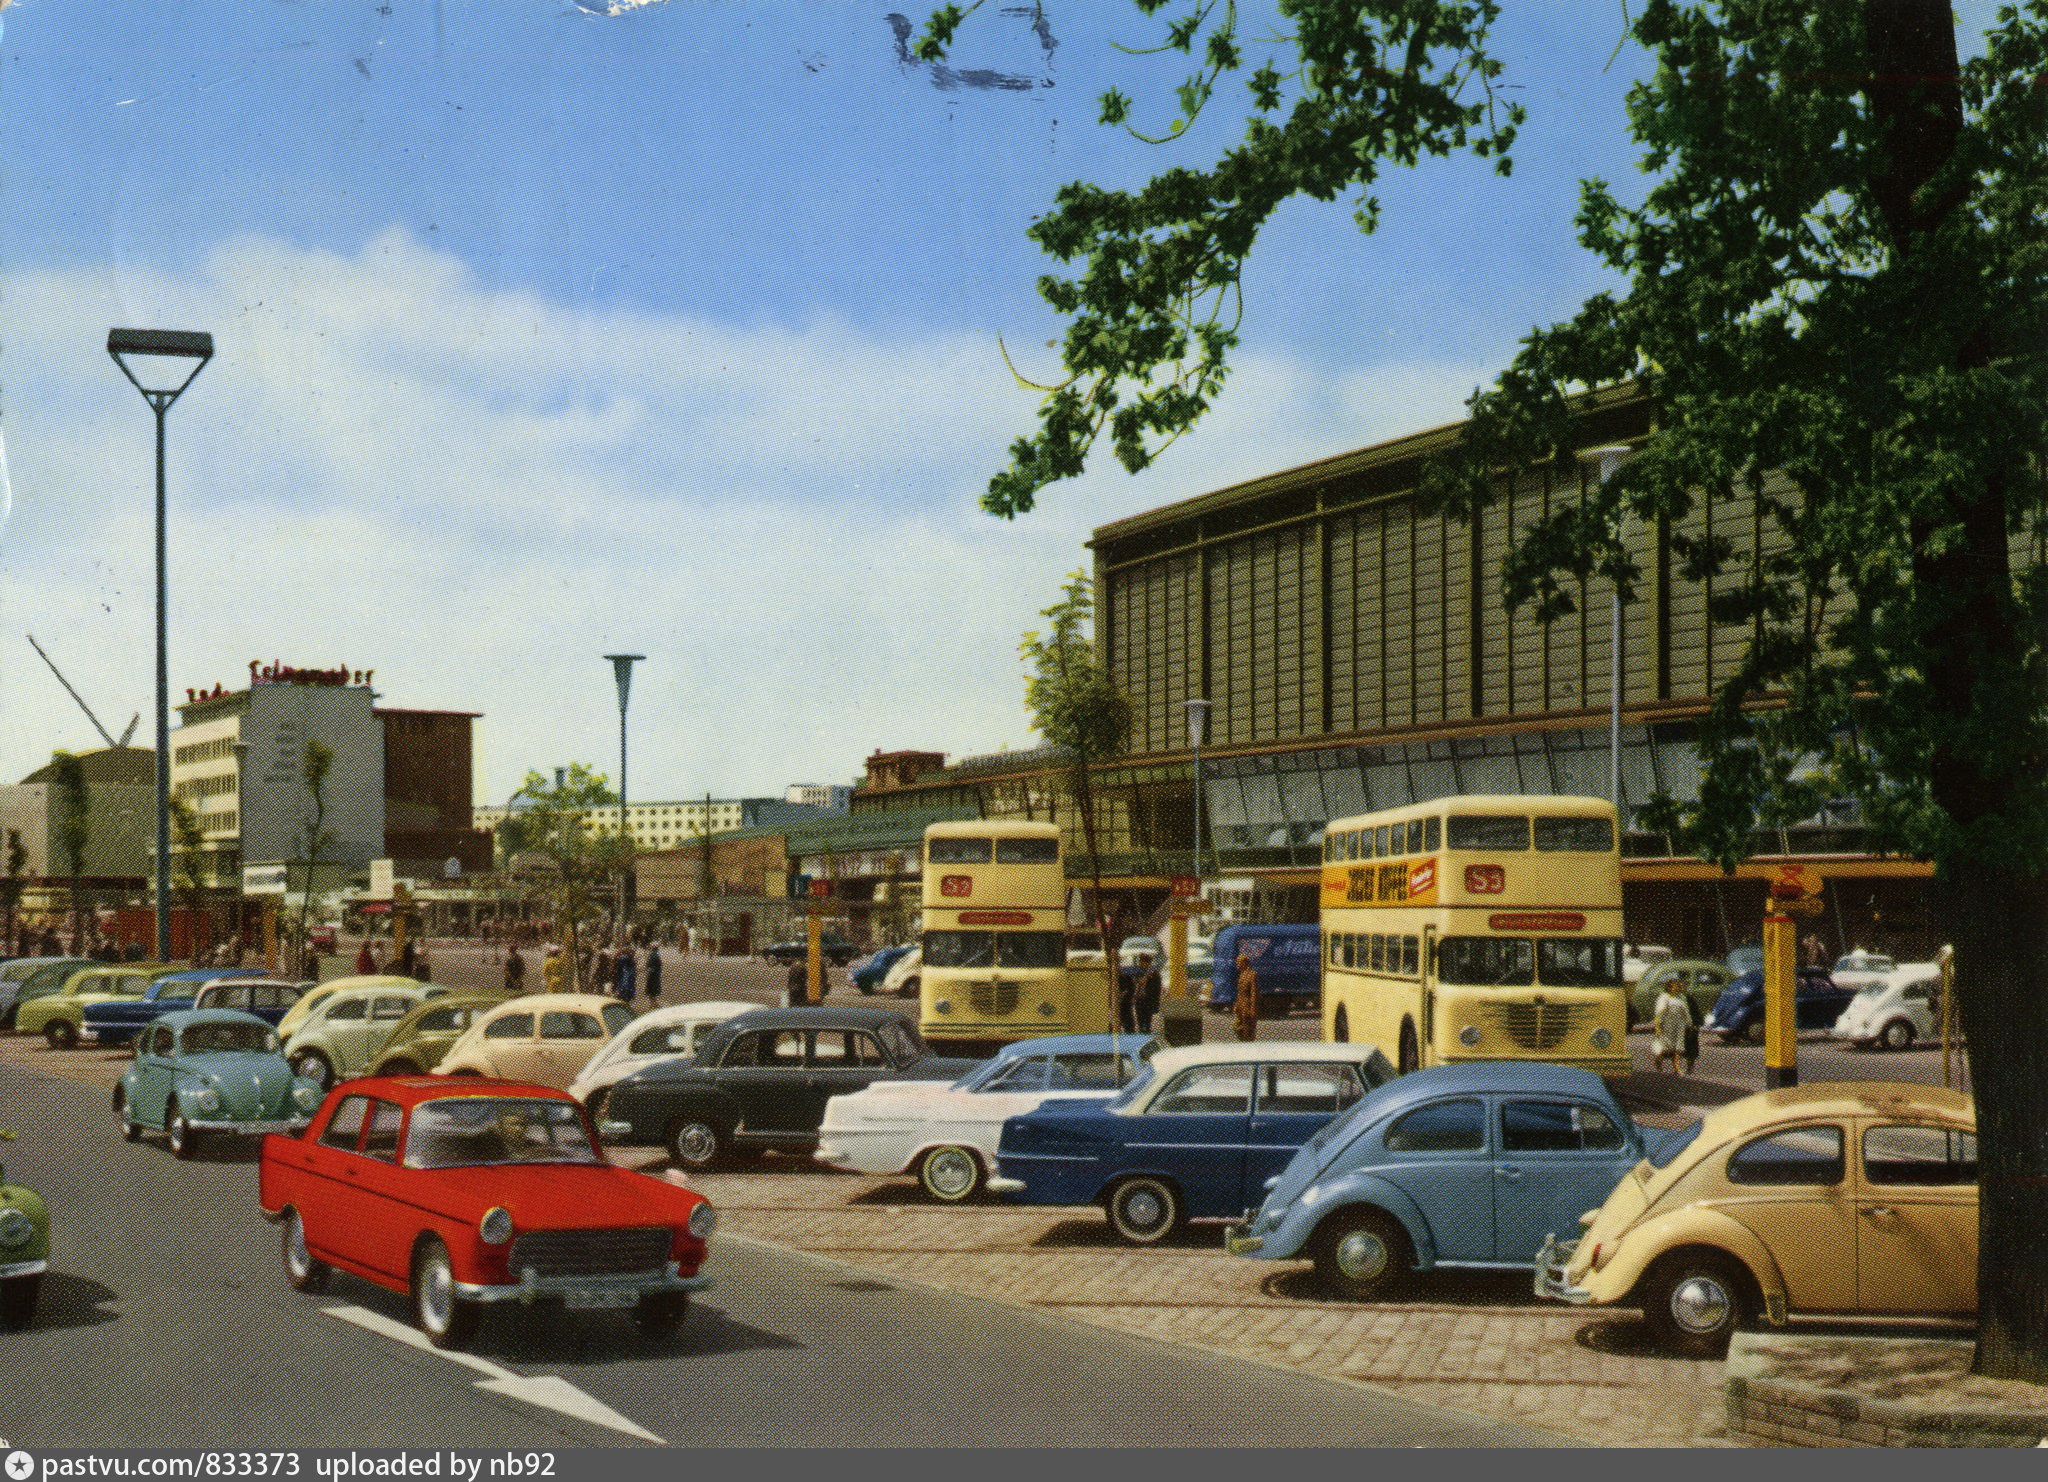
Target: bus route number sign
[{"x": 956, "y": 885}]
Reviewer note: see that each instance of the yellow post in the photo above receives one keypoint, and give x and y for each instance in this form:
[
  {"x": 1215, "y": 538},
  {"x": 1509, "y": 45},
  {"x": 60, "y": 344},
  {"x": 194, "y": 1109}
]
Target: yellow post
[
  {"x": 401, "y": 903},
  {"x": 1947, "y": 958},
  {"x": 815, "y": 981},
  {"x": 1781, "y": 983},
  {"x": 1177, "y": 950}
]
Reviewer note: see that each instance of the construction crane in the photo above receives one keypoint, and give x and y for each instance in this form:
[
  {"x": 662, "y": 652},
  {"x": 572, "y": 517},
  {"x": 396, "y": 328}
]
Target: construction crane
[{"x": 132, "y": 724}]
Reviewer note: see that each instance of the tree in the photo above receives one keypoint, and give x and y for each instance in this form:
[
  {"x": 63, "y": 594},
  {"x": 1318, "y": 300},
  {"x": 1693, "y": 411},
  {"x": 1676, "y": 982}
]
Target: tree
[
  {"x": 188, "y": 878},
  {"x": 554, "y": 822},
  {"x": 11, "y": 884},
  {"x": 1836, "y": 306},
  {"x": 1074, "y": 707},
  {"x": 314, "y": 767},
  {"x": 74, "y": 833}
]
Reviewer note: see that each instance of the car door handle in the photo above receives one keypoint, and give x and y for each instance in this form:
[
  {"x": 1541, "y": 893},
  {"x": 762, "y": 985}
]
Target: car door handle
[
  {"x": 1879, "y": 1212},
  {"x": 1512, "y": 1174}
]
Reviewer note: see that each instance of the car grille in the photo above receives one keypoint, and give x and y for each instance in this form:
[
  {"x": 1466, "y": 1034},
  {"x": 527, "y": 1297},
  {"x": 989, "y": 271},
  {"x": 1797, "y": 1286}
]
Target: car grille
[
  {"x": 995, "y": 999},
  {"x": 1539, "y": 1025},
  {"x": 591, "y": 1252}
]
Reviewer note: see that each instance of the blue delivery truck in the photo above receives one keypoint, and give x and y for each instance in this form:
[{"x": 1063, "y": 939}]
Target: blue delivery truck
[{"x": 1288, "y": 960}]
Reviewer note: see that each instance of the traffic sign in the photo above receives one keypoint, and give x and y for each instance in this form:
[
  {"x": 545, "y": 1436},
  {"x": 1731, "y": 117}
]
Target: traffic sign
[{"x": 1187, "y": 886}]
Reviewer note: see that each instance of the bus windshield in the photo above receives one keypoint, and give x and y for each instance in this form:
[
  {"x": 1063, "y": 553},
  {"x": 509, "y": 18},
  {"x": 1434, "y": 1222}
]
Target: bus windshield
[{"x": 995, "y": 949}]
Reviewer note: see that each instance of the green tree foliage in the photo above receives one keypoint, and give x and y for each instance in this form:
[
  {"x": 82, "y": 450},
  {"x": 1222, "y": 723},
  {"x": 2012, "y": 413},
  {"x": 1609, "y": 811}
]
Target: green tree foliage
[
  {"x": 1154, "y": 296},
  {"x": 314, "y": 767},
  {"x": 1074, "y": 706},
  {"x": 188, "y": 860},
  {"x": 11, "y": 884},
  {"x": 554, "y": 819},
  {"x": 1836, "y": 306},
  {"x": 74, "y": 832}
]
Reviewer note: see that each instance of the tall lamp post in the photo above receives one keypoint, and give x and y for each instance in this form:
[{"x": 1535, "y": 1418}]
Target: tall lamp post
[
  {"x": 622, "y": 671},
  {"x": 155, "y": 384},
  {"x": 1608, "y": 461},
  {"x": 1198, "y": 724}
]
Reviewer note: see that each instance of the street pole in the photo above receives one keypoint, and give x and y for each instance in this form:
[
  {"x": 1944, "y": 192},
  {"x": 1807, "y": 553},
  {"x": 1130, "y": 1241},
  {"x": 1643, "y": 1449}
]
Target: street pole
[
  {"x": 622, "y": 671},
  {"x": 1608, "y": 461}
]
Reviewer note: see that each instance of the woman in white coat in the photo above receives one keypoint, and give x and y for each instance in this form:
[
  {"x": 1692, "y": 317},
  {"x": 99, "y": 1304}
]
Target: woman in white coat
[{"x": 1669, "y": 1021}]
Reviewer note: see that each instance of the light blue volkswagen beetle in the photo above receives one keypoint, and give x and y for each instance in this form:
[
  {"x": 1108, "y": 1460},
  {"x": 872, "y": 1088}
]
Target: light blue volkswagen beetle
[
  {"x": 1459, "y": 1165},
  {"x": 211, "y": 1070}
]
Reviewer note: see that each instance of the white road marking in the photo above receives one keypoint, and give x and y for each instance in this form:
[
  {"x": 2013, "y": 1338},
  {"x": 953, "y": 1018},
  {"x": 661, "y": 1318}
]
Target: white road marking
[{"x": 547, "y": 1391}]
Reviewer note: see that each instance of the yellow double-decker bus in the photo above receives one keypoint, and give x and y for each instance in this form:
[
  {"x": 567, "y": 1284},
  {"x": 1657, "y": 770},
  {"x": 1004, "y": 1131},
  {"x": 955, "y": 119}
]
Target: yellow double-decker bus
[
  {"x": 994, "y": 965},
  {"x": 1477, "y": 928}
]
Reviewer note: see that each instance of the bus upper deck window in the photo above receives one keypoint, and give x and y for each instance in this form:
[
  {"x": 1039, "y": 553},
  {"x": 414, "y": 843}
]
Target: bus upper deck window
[
  {"x": 1027, "y": 851},
  {"x": 959, "y": 851},
  {"x": 1351, "y": 844},
  {"x": 1429, "y": 835},
  {"x": 1379, "y": 842},
  {"x": 1415, "y": 844},
  {"x": 1575, "y": 835},
  {"x": 1493, "y": 831}
]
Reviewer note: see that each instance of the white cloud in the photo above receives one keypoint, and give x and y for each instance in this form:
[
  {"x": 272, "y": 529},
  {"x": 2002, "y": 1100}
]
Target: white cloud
[{"x": 478, "y": 492}]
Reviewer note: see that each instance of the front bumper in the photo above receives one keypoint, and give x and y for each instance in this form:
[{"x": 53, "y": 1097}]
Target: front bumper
[
  {"x": 614, "y": 1131},
  {"x": 294, "y": 1124},
  {"x": 1002, "y": 1185},
  {"x": 587, "y": 1291},
  {"x": 12, "y": 1269},
  {"x": 1551, "y": 1261},
  {"x": 1239, "y": 1240}
]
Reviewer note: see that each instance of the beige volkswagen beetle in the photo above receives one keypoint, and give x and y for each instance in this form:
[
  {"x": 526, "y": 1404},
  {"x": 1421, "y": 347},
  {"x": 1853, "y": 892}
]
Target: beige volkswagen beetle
[
  {"x": 542, "y": 1037},
  {"x": 1845, "y": 1198}
]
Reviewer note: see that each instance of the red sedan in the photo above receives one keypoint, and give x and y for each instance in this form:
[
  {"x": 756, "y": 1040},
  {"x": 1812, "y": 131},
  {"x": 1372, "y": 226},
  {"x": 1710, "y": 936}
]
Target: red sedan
[{"x": 468, "y": 1192}]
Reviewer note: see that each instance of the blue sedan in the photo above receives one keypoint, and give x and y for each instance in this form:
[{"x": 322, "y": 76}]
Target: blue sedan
[
  {"x": 1188, "y": 1138},
  {"x": 1458, "y": 1165}
]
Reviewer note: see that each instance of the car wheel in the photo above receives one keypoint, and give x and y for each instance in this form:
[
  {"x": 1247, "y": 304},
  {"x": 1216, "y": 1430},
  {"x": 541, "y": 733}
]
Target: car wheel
[
  {"x": 1897, "y": 1035},
  {"x": 1695, "y": 1302},
  {"x": 311, "y": 1065},
  {"x": 912, "y": 986},
  {"x": 1411, "y": 1053},
  {"x": 1144, "y": 1211},
  {"x": 178, "y": 1133},
  {"x": 61, "y": 1034},
  {"x": 305, "y": 1272},
  {"x": 866, "y": 986},
  {"x": 695, "y": 1143},
  {"x": 1340, "y": 1031},
  {"x": 659, "y": 1315},
  {"x": 951, "y": 1175},
  {"x": 130, "y": 1128},
  {"x": 447, "y": 1320},
  {"x": 399, "y": 1067},
  {"x": 1361, "y": 1253},
  {"x": 18, "y": 1301}
]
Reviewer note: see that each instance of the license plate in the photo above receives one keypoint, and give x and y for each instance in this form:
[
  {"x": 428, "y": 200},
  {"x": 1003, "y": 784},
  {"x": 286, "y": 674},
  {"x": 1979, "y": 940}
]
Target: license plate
[{"x": 589, "y": 1299}]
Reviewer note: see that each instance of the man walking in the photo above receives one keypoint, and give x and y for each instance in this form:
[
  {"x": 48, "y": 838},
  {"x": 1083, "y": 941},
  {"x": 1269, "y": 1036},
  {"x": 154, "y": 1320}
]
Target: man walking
[
  {"x": 515, "y": 972},
  {"x": 654, "y": 975},
  {"x": 624, "y": 974}
]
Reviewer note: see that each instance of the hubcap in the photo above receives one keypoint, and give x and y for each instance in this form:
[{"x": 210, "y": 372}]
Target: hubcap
[
  {"x": 300, "y": 1256},
  {"x": 1700, "y": 1304},
  {"x": 697, "y": 1143},
  {"x": 1143, "y": 1209},
  {"x": 437, "y": 1293},
  {"x": 949, "y": 1172},
  {"x": 1361, "y": 1255}
]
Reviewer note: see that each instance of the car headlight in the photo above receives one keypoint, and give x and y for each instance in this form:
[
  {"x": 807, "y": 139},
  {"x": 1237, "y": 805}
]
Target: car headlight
[
  {"x": 208, "y": 1099},
  {"x": 496, "y": 1225},
  {"x": 15, "y": 1227},
  {"x": 1047, "y": 1009},
  {"x": 1602, "y": 1038},
  {"x": 307, "y": 1096},
  {"x": 703, "y": 1220},
  {"x": 943, "y": 1006},
  {"x": 1469, "y": 1036}
]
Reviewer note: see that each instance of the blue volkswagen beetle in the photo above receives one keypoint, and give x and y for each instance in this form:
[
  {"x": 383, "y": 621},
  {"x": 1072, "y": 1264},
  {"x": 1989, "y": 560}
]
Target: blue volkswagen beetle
[
  {"x": 211, "y": 1070},
  {"x": 1195, "y": 1132},
  {"x": 1458, "y": 1165}
]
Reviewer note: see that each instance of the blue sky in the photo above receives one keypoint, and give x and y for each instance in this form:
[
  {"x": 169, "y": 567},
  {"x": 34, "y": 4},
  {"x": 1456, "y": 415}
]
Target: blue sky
[{"x": 544, "y": 334}]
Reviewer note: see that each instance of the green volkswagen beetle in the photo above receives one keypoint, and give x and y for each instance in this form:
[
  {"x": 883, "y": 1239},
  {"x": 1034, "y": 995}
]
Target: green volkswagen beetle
[
  {"x": 24, "y": 1250},
  {"x": 210, "y": 1071}
]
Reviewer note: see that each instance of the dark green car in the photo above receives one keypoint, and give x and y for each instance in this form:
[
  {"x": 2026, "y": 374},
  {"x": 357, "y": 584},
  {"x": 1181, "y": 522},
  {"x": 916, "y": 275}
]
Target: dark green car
[
  {"x": 24, "y": 1250},
  {"x": 1697, "y": 979}
]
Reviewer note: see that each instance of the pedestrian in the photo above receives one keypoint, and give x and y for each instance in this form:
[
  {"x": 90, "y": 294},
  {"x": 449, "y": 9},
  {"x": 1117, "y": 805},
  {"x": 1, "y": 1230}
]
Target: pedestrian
[
  {"x": 366, "y": 961},
  {"x": 1669, "y": 1020},
  {"x": 1127, "y": 1002},
  {"x": 309, "y": 968},
  {"x": 624, "y": 975},
  {"x": 423, "y": 964},
  {"x": 408, "y": 959},
  {"x": 798, "y": 992},
  {"x": 600, "y": 979},
  {"x": 515, "y": 972},
  {"x": 1815, "y": 949},
  {"x": 553, "y": 967},
  {"x": 653, "y": 985},
  {"x": 1148, "y": 991},
  {"x": 1245, "y": 1011}
]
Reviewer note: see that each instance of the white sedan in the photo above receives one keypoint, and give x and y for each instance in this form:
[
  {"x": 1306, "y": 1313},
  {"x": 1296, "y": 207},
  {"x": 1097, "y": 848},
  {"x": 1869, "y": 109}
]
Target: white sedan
[
  {"x": 947, "y": 1132},
  {"x": 659, "y": 1034}
]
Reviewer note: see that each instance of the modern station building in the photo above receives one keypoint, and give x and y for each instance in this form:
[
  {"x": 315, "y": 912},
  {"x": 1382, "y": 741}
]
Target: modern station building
[{"x": 1356, "y": 654}]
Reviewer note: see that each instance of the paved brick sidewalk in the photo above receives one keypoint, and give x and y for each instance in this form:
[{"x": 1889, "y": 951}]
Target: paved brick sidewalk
[{"x": 1479, "y": 1343}]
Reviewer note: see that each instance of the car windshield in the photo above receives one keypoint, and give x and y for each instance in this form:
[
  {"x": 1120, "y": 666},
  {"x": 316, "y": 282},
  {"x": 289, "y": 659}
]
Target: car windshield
[
  {"x": 464, "y": 1132},
  {"x": 227, "y": 1039}
]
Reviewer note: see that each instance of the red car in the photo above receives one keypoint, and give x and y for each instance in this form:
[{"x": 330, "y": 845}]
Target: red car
[{"x": 467, "y": 1192}]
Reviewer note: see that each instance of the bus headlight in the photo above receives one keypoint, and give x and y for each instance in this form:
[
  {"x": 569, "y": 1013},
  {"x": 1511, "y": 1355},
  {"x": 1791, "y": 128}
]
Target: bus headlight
[
  {"x": 1469, "y": 1036},
  {"x": 1602, "y": 1038},
  {"x": 942, "y": 1006},
  {"x": 1047, "y": 1009}
]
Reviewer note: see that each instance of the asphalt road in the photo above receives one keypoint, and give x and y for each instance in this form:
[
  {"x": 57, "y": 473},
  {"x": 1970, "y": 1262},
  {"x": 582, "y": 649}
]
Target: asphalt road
[{"x": 166, "y": 1321}]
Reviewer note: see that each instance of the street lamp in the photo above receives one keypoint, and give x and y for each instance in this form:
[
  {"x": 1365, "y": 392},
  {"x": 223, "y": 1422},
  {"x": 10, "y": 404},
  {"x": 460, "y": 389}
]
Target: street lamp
[
  {"x": 1608, "y": 460},
  {"x": 175, "y": 346},
  {"x": 622, "y": 671},
  {"x": 1198, "y": 722}
]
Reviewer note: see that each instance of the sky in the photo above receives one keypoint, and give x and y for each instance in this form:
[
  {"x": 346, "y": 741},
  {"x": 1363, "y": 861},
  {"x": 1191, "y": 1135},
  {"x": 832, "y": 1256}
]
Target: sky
[{"x": 550, "y": 329}]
